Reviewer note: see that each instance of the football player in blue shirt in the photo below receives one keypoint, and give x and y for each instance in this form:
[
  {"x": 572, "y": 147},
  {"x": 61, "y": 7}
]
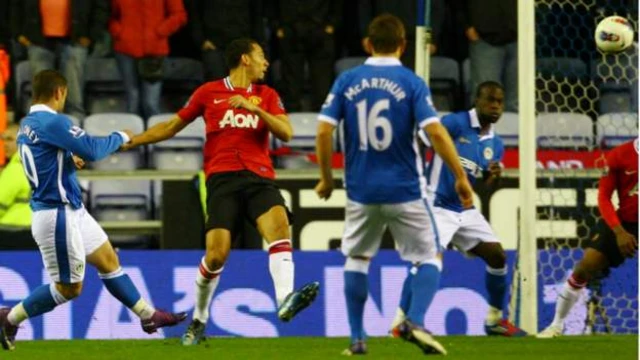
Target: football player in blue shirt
[
  {"x": 50, "y": 148},
  {"x": 480, "y": 151},
  {"x": 381, "y": 105}
]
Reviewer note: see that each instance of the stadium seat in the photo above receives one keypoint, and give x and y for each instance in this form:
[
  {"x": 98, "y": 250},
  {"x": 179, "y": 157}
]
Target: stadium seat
[
  {"x": 122, "y": 200},
  {"x": 182, "y": 76},
  {"x": 564, "y": 130},
  {"x": 445, "y": 83},
  {"x": 562, "y": 67},
  {"x": 183, "y": 151},
  {"x": 615, "y": 100},
  {"x": 616, "y": 128},
  {"x": 104, "y": 90},
  {"x": 347, "y": 63},
  {"x": 303, "y": 142},
  {"x": 105, "y": 124},
  {"x": 507, "y": 129}
]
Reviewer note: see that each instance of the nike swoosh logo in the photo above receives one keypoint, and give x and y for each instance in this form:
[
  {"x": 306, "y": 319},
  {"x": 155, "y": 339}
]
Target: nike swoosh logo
[
  {"x": 630, "y": 172},
  {"x": 218, "y": 101}
]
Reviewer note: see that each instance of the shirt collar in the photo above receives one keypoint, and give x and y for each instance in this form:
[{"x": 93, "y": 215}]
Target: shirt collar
[
  {"x": 475, "y": 123},
  {"x": 228, "y": 85},
  {"x": 383, "y": 61},
  {"x": 41, "y": 107}
]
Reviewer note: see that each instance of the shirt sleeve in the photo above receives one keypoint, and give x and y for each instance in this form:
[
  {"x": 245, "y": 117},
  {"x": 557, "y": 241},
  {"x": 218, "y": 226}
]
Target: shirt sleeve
[
  {"x": 423, "y": 110},
  {"x": 332, "y": 109},
  {"x": 62, "y": 133},
  {"x": 606, "y": 187},
  {"x": 194, "y": 106},
  {"x": 274, "y": 104}
]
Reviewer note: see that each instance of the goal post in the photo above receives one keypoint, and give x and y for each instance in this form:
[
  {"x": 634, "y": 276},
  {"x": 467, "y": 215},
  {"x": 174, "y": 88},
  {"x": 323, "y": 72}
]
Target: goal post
[
  {"x": 527, "y": 307},
  {"x": 423, "y": 39}
]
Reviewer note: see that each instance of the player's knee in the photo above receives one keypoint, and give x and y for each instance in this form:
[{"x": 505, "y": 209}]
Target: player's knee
[
  {"x": 216, "y": 258},
  {"x": 69, "y": 291},
  {"x": 497, "y": 259},
  {"x": 280, "y": 230}
]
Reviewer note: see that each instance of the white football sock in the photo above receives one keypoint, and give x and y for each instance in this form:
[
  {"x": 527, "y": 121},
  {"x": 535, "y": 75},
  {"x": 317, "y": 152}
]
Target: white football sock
[
  {"x": 143, "y": 309},
  {"x": 494, "y": 315},
  {"x": 206, "y": 284},
  {"x": 281, "y": 268},
  {"x": 17, "y": 315},
  {"x": 566, "y": 299}
]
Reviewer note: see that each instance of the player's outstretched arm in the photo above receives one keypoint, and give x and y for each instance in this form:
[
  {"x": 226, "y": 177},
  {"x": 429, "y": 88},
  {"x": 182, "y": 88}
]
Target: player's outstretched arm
[
  {"x": 443, "y": 145},
  {"x": 324, "y": 151},
  {"x": 159, "y": 132},
  {"x": 92, "y": 148}
]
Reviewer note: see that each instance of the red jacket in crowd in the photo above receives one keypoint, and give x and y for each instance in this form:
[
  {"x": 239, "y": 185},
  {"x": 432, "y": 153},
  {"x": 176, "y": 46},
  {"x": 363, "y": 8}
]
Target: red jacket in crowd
[{"x": 142, "y": 27}]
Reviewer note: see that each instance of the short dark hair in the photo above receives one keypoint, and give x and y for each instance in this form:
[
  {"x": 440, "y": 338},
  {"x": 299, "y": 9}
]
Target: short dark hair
[
  {"x": 488, "y": 85},
  {"x": 386, "y": 33},
  {"x": 236, "y": 49},
  {"x": 45, "y": 84}
]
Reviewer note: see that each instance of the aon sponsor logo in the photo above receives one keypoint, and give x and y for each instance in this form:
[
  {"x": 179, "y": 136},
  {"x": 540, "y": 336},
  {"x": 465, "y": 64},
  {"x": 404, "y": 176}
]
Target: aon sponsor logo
[{"x": 234, "y": 120}]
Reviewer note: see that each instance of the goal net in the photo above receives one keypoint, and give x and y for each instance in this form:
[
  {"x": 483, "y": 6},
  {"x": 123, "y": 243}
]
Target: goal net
[{"x": 586, "y": 103}]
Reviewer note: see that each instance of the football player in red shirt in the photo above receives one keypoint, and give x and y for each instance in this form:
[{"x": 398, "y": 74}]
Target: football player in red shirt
[
  {"x": 239, "y": 115},
  {"x": 617, "y": 236}
]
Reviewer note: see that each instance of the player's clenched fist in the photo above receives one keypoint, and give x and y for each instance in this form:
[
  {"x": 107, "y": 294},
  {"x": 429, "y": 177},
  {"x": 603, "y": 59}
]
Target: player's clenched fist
[
  {"x": 626, "y": 242},
  {"x": 239, "y": 101},
  {"x": 465, "y": 192},
  {"x": 324, "y": 189}
]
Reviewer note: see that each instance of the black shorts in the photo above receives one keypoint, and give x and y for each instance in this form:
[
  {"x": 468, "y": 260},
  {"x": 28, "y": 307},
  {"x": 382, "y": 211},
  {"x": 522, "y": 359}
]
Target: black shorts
[
  {"x": 605, "y": 241},
  {"x": 235, "y": 196}
]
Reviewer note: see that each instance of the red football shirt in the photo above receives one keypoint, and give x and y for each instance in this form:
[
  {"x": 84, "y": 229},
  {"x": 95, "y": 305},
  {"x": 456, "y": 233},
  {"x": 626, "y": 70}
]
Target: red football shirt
[
  {"x": 236, "y": 138},
  {"x": 622, "y": 176}
]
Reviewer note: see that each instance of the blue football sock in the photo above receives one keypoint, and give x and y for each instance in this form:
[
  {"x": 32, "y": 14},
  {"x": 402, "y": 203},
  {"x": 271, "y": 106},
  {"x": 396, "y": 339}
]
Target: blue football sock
[
  {"x": 121, "y": 287},
  {"x": 424, "y": 286},
  {"x": 42, "y": 300},
  {"x": 356, "y": 291},
  {"x": 496, "y": 282},
  {"x": 405, "y": 296}
]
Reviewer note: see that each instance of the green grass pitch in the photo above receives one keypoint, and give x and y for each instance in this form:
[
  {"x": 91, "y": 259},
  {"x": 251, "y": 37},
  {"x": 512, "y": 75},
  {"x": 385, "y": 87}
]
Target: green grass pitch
[{"x": 620, "y": 347}]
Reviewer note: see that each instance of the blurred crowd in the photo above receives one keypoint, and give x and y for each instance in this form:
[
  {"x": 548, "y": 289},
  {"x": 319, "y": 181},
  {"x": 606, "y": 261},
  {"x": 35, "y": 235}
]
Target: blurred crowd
[{"x": 303, "y": 39}]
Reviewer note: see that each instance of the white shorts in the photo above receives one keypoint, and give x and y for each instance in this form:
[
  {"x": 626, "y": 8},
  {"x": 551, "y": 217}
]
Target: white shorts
[
  {"x": 410, "y": 223},
  {"x": 464, "y": 230},
  {"x": 65, "y": 237}
]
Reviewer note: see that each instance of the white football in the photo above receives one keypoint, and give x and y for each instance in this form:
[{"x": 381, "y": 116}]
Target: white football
[{"x": 614, "y": 34}]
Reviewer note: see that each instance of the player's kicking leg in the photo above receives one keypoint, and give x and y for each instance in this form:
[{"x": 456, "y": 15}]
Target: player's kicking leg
[
  {"x": 118, "y": 283},
  {"x": 496, "y": 284},
  {"x": 273, "y": 225},
  {"x": 591, "y": 264}
]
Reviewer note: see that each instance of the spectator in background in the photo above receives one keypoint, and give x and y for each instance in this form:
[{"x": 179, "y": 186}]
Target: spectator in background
[
  {"x": 140, "y": 31},
  {"x": 492, "y": 30},
  {"x": 306, "y": 33},
  {"x": 215, "y": 23},
  {"x": 15, "y": 192},
  {"x": 407, "y": 11},
  {"x": 60, "y": 31}
]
